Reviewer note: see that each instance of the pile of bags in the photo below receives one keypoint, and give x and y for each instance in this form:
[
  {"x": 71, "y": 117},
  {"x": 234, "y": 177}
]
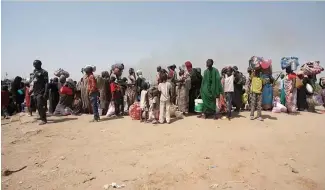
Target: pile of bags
[
  {"x": 292, "y": 62},
  {"x": 312, "y": 68},
  {"x": 89, "y": 66},
  {"x": 256, "y": 62},
  {"x": 60, "y": 72}
]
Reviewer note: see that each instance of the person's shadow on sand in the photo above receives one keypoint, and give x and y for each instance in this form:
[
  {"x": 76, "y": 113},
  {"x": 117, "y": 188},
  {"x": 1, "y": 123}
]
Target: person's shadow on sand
[
  {"x": 269, "y": 117},
  {"x": 61, "y": 119}
]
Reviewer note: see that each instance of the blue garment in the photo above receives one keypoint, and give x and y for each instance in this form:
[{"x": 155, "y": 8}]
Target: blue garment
[
  {"x": 267, "y": 94},
  {"x": 94, "y": 103}
]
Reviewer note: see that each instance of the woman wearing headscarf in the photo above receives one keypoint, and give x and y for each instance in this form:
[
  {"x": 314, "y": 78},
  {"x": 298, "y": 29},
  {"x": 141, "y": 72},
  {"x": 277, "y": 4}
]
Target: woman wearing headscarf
[
  {"x": 54, "y": 96},
  {"x": 239, "y": 82},
  {"x": 104, "y": 92},
  {"x": 183, "y": 88},
  {"x": 267, "y": 92},
  {"x": 17, "y": 93},
  {"x": 290, "y": 90},
  {"x": 172, "y": 77},
  {"x": 131, "y": 91},
  {"x": 211, "y": 89},
  {"x": 301, "y": 82},
  {"x": 86, "y": 107}
]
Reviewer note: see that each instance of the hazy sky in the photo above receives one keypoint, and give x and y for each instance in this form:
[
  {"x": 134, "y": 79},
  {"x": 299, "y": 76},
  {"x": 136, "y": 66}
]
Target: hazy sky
[{"x": 143, "y": 35}]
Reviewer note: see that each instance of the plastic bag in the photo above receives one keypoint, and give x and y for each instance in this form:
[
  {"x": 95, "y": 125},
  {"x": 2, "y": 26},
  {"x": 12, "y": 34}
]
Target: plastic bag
[
  {"x": 309, "y": 88},
  {"x": 111, "y": 109},
  {"x": 266, "y": 63}
]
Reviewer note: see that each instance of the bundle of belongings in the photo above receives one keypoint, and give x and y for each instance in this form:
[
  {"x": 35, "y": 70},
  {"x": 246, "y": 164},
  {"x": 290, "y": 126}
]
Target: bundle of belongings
[
  {"x": 99, "y": 78},
  {"x": 255, "y": 62},
  {"x": 312, "y": 68},
  {"x": 292, "y": 62},
  {"x": 60, "y": 72},
  {"x": 265, "y": 65}
]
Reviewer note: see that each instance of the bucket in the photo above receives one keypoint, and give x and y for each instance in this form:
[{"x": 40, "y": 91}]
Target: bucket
[{"x": 198, "y": 105}]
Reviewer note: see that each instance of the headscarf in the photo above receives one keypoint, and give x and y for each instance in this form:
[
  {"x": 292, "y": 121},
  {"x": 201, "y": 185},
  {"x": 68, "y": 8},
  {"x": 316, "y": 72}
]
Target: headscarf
[
  {"x": 139, "y": 73},
  {"x": 188, "y": 66}
]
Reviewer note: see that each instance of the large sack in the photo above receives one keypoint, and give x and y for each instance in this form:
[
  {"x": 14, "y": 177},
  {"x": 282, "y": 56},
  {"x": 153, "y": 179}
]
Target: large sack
[
  {"x": 135, "y": 111},
  {"x": 60, "y": 72}
]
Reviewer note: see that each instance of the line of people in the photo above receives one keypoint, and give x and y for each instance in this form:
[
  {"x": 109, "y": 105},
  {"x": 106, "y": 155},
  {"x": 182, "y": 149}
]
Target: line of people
[{"x": 111, "y": 94}]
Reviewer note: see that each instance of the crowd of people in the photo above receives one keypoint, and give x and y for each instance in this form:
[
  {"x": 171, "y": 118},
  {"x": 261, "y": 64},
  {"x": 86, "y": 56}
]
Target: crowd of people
[{"x": 110, "y": 94}]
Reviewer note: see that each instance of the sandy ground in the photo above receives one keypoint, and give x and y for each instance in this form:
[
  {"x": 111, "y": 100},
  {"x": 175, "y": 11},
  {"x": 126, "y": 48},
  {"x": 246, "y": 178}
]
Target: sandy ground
[{"x": 282, "y": 153}]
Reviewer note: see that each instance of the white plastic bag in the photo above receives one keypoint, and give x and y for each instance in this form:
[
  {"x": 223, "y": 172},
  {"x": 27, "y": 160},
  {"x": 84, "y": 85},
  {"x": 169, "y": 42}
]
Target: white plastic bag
[
  {"x": 309, "y": 88},
  {"x": 111, "y": 109}
]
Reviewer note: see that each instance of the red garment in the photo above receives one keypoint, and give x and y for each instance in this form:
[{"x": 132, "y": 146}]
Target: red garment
[
  {"x": 4, "y": 98},
  {"x": 115, "y": 89},
  {"x": 92, "y": 84},
  {"x": 292, "y": 76},
  {"x": 27, "y": 97},
  {"x": 66, "y": 90},
  {"x": 188, "y": 66},
  {"x": 171, "y": 73}
]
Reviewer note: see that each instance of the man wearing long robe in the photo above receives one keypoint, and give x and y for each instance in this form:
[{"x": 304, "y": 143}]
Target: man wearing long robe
[{"x": 211, "y": 89}]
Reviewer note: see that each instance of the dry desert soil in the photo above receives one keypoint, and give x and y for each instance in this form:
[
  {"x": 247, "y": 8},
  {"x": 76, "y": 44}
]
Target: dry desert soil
[{"x": 284, "y": 152}]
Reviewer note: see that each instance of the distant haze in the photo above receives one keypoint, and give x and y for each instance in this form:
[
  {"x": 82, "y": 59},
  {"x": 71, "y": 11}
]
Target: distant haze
[{"x": 71, "y": 35}]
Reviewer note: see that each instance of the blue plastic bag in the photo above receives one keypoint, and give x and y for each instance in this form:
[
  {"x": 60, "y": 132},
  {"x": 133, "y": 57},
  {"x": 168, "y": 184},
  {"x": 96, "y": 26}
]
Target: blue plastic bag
[{"x": 292, "y": 62}]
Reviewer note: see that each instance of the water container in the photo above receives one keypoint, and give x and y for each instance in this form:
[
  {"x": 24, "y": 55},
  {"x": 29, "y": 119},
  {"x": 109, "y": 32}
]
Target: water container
[{"x": 198, "y": 105}]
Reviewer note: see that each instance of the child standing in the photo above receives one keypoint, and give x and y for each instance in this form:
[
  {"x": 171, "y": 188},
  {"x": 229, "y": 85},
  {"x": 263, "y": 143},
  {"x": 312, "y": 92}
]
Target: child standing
[
  {"x": 153, "y": 95},
  {"x": 256, "y": 94},
  {"x": 165, "y": 89},
  {"x": 229, "y": 90},
  {"x": 144, "y": 103}
]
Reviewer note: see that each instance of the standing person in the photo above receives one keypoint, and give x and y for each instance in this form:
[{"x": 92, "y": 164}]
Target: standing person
[
  {"x": 256, "y": 94},
  {"x": 282, "y": 91},
  {"x": 41, "y": 79},
  {"x": 4, "y": 101},
  {"x": 144, "y": 103},
  {"x": 322, "y": 85},
  {"x": 85, "y": 94},
  {"x": 211, "y": 89},
  {"x": 267, "y": 92},
  {"x": 17, "y": 96},
  {"x": 196, "y": 80},
  {"x": 159, "y": 70},
  {"x": 131, "y": 91},
  {"x": 229, "y": 89},
  {"x": 116, "y": 95},
  {"x": 301, "y": 82},
  {"x": 54, "y": 96},
  {"x": 153, "y": 95},
  {"x": 184, "y": 85},
  {"x": 172, "y": 77},
  {"x": 290, "y": 90},
  {"x": 104, "y": 91},
  {"x": 28, "y": 99},
  {"x": 139, "y": 83},
  {"x": 239, "y": 82},
  {"x": 92, "y": 92},
  {"x": 123, "y": 87},
  {"x": 165, "y": 89}
]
